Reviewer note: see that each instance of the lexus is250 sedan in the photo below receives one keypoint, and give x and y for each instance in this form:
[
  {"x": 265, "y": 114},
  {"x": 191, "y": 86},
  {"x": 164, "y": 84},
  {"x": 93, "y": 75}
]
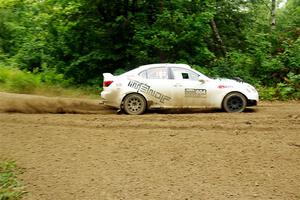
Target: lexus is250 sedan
[{"x": 165, "y": 86}]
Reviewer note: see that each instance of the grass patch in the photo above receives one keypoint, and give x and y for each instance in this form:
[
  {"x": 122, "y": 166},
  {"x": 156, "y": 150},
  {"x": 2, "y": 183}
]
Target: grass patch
[
  {"x": 46, "y": 83},
  {"x": 10, "y": 187}
]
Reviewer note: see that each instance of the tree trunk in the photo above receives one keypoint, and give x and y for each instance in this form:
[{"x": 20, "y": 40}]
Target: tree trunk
[
  {"x": 126, "y": 8},
  {"x": 216, "y": 33},
  {"x": 273, "y": 17},
  {"x": 161, "y": 5},
  {"x": 133, "y": 6}
]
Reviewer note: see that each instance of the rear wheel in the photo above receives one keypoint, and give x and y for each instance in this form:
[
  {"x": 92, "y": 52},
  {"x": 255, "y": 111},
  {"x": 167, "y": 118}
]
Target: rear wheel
[
  {"x": 134, "y": 104},
  {"x": 234, "y": 102}
]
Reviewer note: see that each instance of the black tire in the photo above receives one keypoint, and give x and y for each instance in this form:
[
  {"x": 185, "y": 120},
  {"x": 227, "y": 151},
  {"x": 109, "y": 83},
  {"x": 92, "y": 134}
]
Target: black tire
[
  {"x": 234, "y": 102},
  {"x": 134, "y": 104}
]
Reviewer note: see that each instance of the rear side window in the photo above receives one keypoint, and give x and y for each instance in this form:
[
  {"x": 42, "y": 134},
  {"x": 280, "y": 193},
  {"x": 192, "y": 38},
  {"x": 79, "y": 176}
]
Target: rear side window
[
  {"x": 155, "y": 73},
  {"x": 181, "y": 73},
  {"x": 143, "y": 74}
]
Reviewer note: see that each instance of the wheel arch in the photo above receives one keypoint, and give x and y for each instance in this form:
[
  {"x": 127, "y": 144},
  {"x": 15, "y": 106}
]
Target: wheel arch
[{"x": 122, "y": 102}]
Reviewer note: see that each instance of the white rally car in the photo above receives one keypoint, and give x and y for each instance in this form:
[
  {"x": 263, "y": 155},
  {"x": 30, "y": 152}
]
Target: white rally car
[{"x": 174, "y": 86}]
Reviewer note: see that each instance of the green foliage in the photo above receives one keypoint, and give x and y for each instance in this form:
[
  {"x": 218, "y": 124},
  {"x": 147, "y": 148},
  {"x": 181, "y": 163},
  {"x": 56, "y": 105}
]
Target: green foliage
[
  {"x": 47, "y": 83},
  {"x": 73, "y": 42},
  {"x": 18, "y": 81},
  {"x": 51, "y": 77},
  {"x": 174, "y": 36},
  {"x": 289, "y": 89},
  {"x": 291, "y": 56},
  {"x": 235, "y": 64},
  {"x": 119, "y": 71},
  {"x": 267, "y": 93},
  {"x": 10, "y": 187}
]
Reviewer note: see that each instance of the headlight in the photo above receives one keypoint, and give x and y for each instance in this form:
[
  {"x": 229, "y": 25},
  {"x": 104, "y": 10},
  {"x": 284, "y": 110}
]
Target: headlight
[{"x": 250, "y": 88}]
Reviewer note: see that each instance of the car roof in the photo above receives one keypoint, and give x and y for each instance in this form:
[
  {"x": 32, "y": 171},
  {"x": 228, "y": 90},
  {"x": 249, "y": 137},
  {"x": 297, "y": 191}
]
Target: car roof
[
  {"x": 164, "y": 64},
  {"x": 149, "y": 66}
]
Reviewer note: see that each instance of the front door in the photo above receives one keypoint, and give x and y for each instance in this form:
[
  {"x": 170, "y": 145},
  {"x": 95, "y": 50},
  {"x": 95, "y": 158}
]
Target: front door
[{"x": 188, "y": 90}]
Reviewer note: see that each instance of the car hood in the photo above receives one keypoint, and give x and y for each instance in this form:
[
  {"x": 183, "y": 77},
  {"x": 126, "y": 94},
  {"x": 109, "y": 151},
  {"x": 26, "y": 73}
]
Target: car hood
[{"x": 228, "y": 81}]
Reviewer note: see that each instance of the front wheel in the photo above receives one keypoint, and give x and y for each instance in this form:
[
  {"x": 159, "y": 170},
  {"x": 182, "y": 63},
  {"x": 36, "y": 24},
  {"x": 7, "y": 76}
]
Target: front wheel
[
  {"x": 234, "y": 102},
  {"x": 134, "y": 104}
]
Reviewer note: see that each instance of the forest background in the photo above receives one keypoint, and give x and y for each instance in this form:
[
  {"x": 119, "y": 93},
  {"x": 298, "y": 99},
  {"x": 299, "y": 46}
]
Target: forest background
[{"x": 70, "y": 43}]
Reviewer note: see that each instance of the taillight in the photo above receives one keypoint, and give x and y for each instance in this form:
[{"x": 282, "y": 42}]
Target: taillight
[{"x": 107, "y": 83}]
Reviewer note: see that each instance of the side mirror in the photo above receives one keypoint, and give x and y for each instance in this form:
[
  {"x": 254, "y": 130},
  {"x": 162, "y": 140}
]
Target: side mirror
[{"x": 201, "y": 80}]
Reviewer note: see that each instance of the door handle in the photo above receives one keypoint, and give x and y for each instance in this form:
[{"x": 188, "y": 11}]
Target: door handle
[{"x": 177, "y": 85}]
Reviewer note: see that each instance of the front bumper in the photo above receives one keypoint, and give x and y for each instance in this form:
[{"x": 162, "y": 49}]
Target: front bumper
[{"x": 252, "y": 102}]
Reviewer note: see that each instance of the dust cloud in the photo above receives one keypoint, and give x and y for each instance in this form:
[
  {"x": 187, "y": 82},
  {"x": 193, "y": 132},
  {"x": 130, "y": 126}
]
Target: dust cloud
[{"x": 33, "y": 104}]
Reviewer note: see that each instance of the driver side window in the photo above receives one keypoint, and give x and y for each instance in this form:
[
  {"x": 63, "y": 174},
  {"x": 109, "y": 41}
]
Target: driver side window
[{"x": 181, "y": 74}]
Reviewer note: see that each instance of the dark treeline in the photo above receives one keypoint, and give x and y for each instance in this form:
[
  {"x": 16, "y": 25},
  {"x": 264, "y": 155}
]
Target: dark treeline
[{"x": 257, "y": 40}]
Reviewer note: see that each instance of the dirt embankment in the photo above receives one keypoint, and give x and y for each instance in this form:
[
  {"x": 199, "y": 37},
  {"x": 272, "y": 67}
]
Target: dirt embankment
[{"x": 194, "y": 156}]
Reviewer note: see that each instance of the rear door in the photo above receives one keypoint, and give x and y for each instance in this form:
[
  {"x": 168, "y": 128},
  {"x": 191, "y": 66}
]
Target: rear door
[{"x": 155, "y": 84}]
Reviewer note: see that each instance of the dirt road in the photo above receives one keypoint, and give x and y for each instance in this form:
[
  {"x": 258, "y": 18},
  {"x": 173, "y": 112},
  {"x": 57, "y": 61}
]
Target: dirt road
[{"x": 90, "y": 153}]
